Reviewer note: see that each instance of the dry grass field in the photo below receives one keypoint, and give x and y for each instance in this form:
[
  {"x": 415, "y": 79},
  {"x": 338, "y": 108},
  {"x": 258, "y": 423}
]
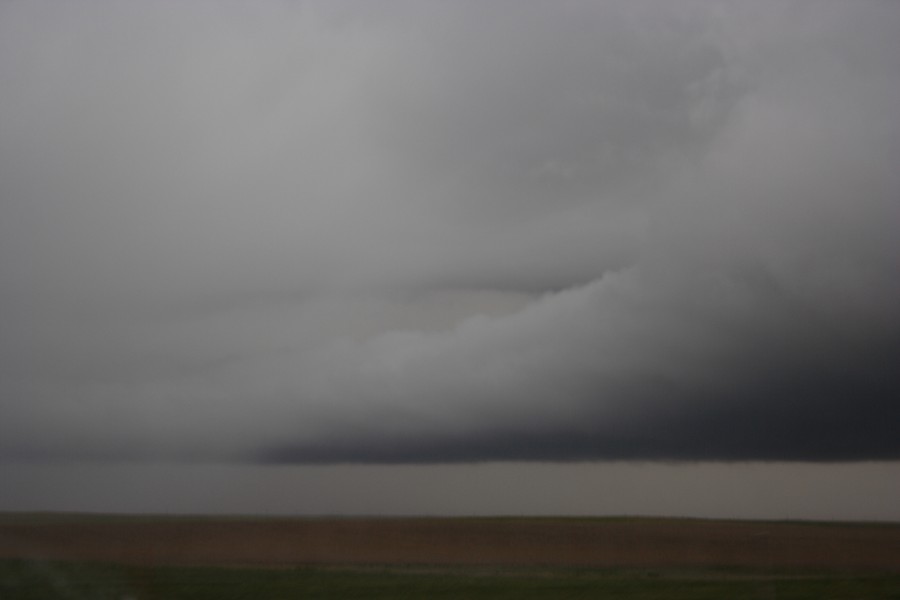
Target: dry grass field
[
  {"x": 47, "y": 557},
  {"x": 516, "y": 542}
]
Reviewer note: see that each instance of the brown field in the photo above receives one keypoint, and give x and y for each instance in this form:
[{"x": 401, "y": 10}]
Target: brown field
[{"x": 283, "y": 542}]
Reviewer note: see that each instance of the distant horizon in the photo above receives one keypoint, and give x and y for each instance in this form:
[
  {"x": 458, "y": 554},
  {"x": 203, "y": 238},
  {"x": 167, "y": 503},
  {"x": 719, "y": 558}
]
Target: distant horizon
[
  {"x": 338, "y": 517},
  {"x": 756, "y": 491}
]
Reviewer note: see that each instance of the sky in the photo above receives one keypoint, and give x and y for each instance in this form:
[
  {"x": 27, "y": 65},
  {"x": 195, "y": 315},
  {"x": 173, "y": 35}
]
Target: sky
[{"x": 551, "y": 241}]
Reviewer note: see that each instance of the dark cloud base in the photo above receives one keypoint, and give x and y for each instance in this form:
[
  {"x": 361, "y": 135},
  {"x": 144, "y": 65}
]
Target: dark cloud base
[{"x": 837, "y": 413}]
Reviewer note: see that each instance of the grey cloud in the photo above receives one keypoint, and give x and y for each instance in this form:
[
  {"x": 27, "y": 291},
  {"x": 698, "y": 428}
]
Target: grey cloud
[{"x": 449, "y": 232}]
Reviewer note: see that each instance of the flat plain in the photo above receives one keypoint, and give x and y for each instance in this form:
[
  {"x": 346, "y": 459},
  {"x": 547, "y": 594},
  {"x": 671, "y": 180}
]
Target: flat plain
[{"x": 85, "y": 556}]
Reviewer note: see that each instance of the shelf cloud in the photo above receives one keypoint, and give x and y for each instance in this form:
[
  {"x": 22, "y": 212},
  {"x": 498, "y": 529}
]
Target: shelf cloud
[{"x": 393, "y": 232}]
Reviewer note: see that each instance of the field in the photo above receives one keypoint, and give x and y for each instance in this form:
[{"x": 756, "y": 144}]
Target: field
[{"x": 76, "y": 556}]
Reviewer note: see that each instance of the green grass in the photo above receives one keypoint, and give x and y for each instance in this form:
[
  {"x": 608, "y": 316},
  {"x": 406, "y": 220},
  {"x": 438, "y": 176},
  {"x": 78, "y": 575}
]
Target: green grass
[{"x": 40, "y": 580}]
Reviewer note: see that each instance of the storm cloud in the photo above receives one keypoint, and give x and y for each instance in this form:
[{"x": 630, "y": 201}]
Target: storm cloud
[{"x": 434, "y": 232}]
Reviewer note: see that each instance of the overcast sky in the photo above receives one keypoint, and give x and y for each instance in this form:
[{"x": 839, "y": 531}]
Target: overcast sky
[{"x": 432, "y": 232}]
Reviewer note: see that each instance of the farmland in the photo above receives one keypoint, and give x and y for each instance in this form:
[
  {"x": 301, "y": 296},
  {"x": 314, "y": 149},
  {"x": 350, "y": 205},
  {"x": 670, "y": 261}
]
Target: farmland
[{"x": 47, "y": 556}]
